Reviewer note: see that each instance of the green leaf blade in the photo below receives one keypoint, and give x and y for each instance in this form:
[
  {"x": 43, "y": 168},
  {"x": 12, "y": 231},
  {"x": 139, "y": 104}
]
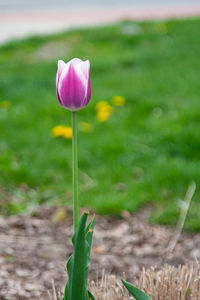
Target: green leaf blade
[
  {"x": 90, "y": 296},
  {"x": 78, "y": 263},
  {"x": 135, "y": 292}
]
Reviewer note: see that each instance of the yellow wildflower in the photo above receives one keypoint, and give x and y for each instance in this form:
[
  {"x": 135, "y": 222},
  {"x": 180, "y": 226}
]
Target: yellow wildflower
[
  {"x": 102, "y": 116},
  {"x": 118, "y": 100},
  {"x": 63, "y": 131},
  {"x": 67, "y": 133},
  {"x": 104, "y": 113},
  {"x": 101, "y": 104},
  {"x": 86, "y": 127},
  {"x": 104, "y": 110},
  {"x": 5, "y": 104},
  {"x": 57, "y": 130}
]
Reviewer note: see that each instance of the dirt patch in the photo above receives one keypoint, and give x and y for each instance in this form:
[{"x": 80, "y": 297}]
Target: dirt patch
[{"x": 34, "y": 249}]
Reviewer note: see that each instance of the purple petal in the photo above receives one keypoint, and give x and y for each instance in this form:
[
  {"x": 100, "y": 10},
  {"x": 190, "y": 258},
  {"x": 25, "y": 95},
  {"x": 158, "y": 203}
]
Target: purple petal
[
  {"x": 84, "y": 66},
  {"x": 88, "y": 86},
  {"x": 72, "y": 87},
  {"x": 88, "y": 92}
]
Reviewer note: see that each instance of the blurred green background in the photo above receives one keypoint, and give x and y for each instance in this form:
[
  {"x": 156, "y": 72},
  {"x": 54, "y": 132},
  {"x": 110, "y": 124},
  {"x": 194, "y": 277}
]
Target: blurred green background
[{"x": 146, "y": 152}]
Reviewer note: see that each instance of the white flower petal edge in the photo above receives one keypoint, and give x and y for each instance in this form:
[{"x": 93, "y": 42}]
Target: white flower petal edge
[{"x": 61, "y": 65}]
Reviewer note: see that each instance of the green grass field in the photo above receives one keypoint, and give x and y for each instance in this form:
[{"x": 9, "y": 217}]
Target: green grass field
[{"x": 147, "y": 152}]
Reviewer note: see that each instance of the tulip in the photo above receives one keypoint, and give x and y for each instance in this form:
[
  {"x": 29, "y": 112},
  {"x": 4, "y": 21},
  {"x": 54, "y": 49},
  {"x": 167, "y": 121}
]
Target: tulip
[
  {"x": 74, "y": 92},
  {"x": 73, "y": 84}
]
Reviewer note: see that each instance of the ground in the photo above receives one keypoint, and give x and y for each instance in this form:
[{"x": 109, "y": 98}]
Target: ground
[{"x": 34, "y": 249}]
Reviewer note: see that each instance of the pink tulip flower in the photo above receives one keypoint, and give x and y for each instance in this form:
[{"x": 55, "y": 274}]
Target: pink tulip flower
[{"x": 73, "y": 84}]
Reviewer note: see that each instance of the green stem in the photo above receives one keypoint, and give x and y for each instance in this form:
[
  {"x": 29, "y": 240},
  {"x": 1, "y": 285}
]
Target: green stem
[{"x": 75, "y": 170}]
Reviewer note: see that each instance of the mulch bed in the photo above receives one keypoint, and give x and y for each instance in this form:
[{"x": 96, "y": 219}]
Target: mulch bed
[{"x": 34, "y": 249}]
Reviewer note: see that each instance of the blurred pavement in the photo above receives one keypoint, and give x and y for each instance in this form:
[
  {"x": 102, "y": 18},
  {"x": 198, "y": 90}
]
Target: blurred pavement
[{"x": 23, "y": 18}]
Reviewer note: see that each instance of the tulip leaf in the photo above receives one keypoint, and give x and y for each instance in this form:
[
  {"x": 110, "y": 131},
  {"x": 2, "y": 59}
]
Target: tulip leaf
[
  {"x": 78, "y": 263},
  {"x": 90, "y": 296},
  {"x": 135, "y": 292}
]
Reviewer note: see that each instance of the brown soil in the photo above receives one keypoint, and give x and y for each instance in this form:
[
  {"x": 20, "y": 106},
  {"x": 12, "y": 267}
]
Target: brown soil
[{"x": 34, "y": 249}]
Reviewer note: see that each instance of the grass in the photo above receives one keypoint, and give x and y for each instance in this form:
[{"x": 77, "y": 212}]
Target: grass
[
  {"x": 183, "y": 281},
  {"x": 148, "y": 151}
]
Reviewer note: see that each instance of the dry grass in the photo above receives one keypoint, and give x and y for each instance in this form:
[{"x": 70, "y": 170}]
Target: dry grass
[{"x": 170, "y": 283}]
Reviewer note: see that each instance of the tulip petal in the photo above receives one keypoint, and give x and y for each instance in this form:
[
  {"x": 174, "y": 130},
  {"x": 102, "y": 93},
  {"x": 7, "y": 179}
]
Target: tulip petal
[
  {"x": 72, "y": 87},
  {"x": 75, "y": 61},
  {"x": 61, "y": 65},
  {"x": 85, "y": 68},
  {"x": 88, "y": 92}
]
